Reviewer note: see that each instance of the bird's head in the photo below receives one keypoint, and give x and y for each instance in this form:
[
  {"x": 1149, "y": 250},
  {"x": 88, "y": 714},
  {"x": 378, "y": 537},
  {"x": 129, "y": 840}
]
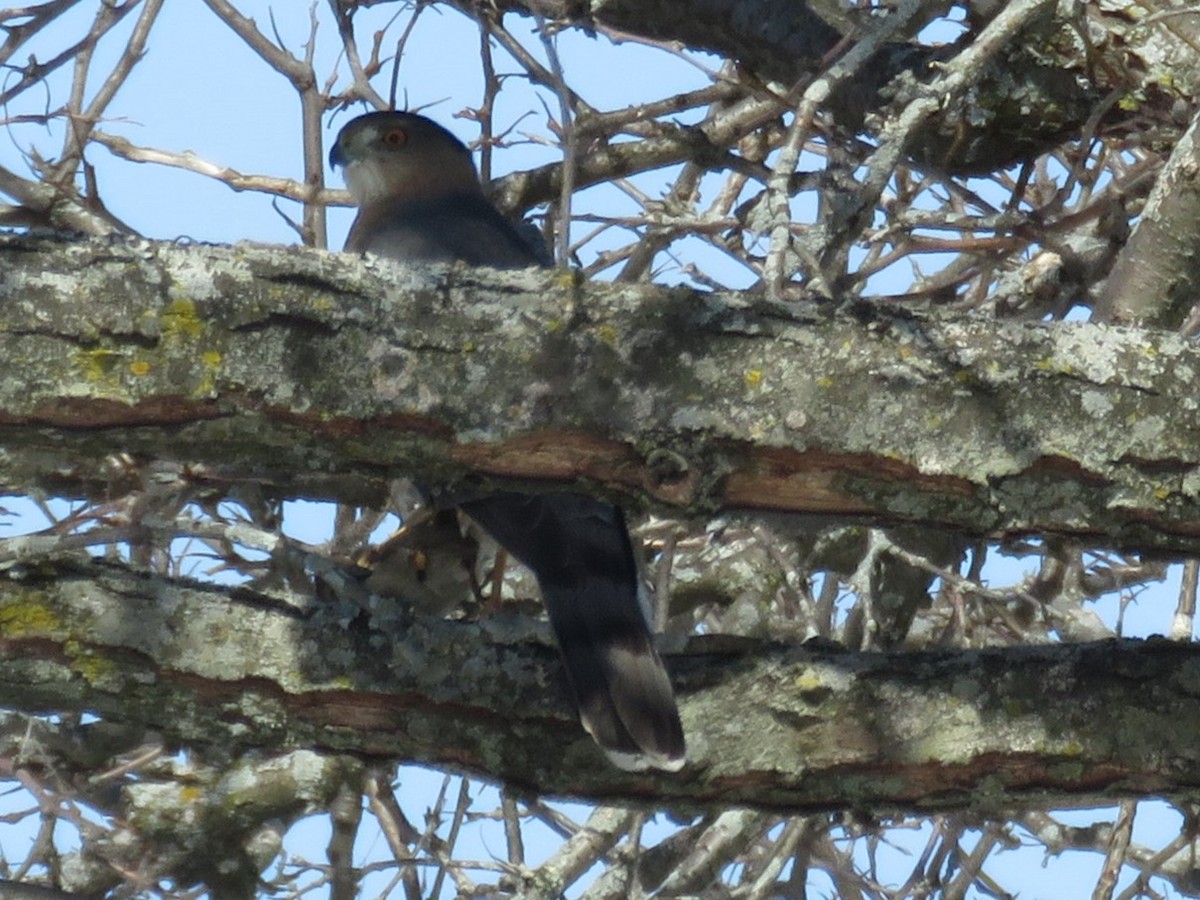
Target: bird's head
[{"x": 400, "y": 156}]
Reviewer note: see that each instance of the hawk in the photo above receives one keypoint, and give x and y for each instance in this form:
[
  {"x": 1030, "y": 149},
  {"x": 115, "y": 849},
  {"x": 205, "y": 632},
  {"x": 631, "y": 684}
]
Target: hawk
[{"x": 419, "y": 199}]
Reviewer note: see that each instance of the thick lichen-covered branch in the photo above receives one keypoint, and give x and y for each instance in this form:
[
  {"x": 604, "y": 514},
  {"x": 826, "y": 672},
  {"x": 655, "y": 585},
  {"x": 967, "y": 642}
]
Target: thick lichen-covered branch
[
  {"x": 932, "y": 730},
  {"x": 322, "y": 375}
]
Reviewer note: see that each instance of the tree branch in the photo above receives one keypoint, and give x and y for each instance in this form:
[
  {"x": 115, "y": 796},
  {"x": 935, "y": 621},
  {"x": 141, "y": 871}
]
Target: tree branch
[
  {"x": 324, "y": 376},
  {"x": 933, "y": 730}
]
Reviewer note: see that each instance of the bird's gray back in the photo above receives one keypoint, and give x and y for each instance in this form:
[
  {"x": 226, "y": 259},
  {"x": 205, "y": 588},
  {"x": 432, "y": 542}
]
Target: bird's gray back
[{"x": 463, "y": 228}]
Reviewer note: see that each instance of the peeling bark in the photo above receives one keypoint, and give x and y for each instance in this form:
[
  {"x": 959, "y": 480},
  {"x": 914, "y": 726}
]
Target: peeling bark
[
  {"x": 320, "y": 375},
  {"x": 934, "y": 730}
]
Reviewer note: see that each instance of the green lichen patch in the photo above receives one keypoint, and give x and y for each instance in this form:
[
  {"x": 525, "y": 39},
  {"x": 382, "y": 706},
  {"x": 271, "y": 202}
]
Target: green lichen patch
[{"x": 28, "y": 617}]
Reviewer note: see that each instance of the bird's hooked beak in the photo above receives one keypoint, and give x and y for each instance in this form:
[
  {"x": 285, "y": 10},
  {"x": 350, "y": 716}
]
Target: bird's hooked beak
[
  {"x": 337, "y": 155},
  {"x": 351, "y": 144}
]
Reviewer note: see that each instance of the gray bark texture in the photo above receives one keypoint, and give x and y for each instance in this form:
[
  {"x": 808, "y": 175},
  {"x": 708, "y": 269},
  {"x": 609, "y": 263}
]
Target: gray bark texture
[
  {"x": 321, "y": 375},
  {"x": 1154, "y": 280},
  {"x": 928, "y": 731}
]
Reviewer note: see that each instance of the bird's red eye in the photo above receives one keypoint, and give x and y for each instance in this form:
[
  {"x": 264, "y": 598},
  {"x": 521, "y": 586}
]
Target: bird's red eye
[{"x": 397, "y": 137}]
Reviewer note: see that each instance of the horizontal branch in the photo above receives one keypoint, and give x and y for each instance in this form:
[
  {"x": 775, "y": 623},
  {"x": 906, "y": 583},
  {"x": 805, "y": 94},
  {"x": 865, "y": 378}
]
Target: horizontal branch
[
  {"x": 321, "y": 375},
  {"x": 797, "y": 728}
]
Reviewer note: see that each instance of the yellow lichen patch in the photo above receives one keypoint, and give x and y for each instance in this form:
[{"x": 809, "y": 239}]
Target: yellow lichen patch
[
  {"x": 1162, "y": 492},
  {"x": 808, "y": 680},
  {"x": 753, "y": 378},
  {"x": 906, "y": 352},
  {"x": 189, "y": 793},
  {"x": 208, "y": 383},
  {"x": 1048, "y": 364},
  {"x": 567, "y": 278},
  {"x": 27, "y": 618},
  {"x": 825, "y": 381},
  {"x": 607, "y": 334},
  {"x": 180, "y": 320},
  {"x": 94, "y": 668},
  {"x": 97, "y": 364},
  {"x": 140, "y": 367}
]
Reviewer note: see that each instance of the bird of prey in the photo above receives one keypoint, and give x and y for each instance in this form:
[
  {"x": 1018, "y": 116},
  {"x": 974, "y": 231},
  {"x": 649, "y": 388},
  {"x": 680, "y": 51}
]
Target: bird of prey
[{"x": 419, "y": 199}]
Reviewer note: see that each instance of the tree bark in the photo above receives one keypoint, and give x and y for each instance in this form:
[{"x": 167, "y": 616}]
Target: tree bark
[
  {"x": 1044, "y": 88},
  {"x": 783, "y": 727},
  {"x": 319, "y": 375},
  {"x": 1154, "y": 280}
]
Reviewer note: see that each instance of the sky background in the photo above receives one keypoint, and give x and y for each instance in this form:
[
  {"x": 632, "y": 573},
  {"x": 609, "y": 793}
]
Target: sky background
[{"x": 201, "y": 89}]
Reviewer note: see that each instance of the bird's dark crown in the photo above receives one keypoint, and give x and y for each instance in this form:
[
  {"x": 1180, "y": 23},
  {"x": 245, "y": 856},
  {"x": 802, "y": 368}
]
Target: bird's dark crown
[
  {"x": 380, "y": 124},
  {"x": 401, "y": 157}
]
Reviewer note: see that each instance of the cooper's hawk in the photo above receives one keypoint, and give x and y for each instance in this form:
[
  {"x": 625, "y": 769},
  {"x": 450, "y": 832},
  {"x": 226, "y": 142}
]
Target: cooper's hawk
[{"x": 419, "y": 198}]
